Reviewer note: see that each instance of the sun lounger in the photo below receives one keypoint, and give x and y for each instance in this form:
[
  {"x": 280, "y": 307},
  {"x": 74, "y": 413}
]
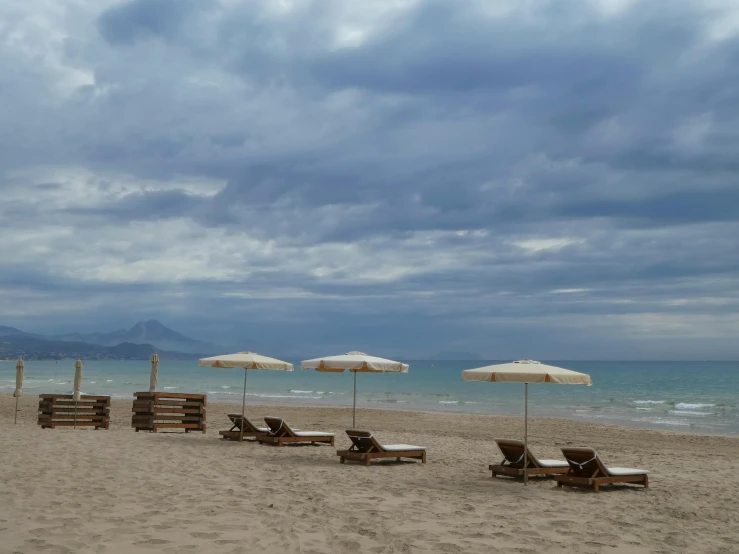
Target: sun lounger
[
  {"x": 512, "y": 464},
  {"x": 280, "y": 433},
  {"x": 250, "y": 429},
  {"x": 588, "y": 470},
  {"x": 366, "y": 448}
]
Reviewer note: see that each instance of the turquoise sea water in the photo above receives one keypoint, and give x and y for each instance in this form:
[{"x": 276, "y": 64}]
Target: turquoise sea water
[{"x": 701, "y": 397}]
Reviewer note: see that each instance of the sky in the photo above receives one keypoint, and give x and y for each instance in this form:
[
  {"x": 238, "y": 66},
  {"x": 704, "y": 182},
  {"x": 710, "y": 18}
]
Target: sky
[{"x": 517, "y": 179}]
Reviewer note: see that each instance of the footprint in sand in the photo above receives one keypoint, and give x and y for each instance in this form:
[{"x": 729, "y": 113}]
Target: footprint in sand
[{"x": 203, "y": 535}]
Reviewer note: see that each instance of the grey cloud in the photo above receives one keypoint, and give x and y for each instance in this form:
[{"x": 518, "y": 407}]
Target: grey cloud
[{"x": 618, "y": 132}]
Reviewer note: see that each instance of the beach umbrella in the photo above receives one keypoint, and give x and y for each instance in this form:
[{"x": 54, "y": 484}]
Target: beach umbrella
[
  {"x": 154, "y": 370},
  {"x": 247, "y": 360},
  {"x": 356, "y": 362},
  {"x": 77, "y": 383},
  {"x": 18, "y": 386},
  {"x": 526, "y": 371}
]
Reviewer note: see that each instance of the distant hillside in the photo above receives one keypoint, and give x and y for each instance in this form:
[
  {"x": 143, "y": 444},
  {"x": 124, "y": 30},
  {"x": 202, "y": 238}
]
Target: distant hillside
[
  {"x": 144, "y": 332},
  {"x": 31, "y": 348},
  {"x": 454, "y": 355}
]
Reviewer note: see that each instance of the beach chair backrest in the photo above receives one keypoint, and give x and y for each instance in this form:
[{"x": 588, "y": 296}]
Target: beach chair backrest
[
  {"x": 364, "y": 441},
  {"x": 513, "y": 452},
  {"x": 584, "y": 462},
  {"x": 237, "y": 421},
  {"x": 279, "y": 427}
]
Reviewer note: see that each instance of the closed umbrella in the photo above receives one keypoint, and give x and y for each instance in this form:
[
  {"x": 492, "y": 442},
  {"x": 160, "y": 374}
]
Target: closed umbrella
[
  {"x": 526, "y": 371},
  {"x": 154, "y": 370},
  {"x": 77, "y": 383},
  {"x": 247, "y": 360},
  {"x": 356, "y": 362},
  {"x": 18, "y": 386}
]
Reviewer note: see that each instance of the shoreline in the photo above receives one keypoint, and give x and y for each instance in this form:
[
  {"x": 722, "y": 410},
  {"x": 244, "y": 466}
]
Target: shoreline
[{"x": 265, "y": 408}]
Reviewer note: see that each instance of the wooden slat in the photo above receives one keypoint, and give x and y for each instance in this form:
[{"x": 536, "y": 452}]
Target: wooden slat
[
  {"x": 177, "y": 411},
  {"x": 165, "y": 395}
]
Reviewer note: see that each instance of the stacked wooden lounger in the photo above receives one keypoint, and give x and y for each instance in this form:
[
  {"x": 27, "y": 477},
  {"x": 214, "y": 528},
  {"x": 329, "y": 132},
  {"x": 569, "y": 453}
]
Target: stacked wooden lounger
[
  {"x": 366, "y": 448},
  {"x": 280, "y": 433},
  {"x": 153, "y": 411},
  {"x": 586, "y": 469},
  {"x": 513, "y": 459},
  {"x": 61, "y": 410}
]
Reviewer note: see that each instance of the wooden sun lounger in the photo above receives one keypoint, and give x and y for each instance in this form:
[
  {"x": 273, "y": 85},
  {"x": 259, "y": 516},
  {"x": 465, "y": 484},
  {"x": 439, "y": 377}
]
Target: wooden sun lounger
[
  {"x": 250, "y": 429},
  {"x": 280, "y": 433},
  {"x": 512, "y": 464},
  {"x": 588, "y": 470},
  {"x": 366, "y": 448}
]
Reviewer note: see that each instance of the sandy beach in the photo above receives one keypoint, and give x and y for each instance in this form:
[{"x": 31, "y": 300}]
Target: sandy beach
[{"x": 119, "y": 491}]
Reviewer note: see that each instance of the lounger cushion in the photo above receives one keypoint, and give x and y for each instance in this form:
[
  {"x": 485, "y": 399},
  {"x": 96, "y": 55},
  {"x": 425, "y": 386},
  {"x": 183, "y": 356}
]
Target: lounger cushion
[
  {"x": 312, "y": 434},
  {"x": 402, "y": 447},
  {"x": 624, "y": 471},
  {"x": 552, "y": 463}
]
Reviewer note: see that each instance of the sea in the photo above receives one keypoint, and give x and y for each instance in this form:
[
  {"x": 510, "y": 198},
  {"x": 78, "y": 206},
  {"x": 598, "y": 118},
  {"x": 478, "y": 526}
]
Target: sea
[{"x": 695, "y": 397}]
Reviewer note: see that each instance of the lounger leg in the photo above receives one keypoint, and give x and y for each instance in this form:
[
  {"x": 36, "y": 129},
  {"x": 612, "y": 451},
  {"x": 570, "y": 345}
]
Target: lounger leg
[
  {"x": 596, "y": 487},
  {"x": 423, "y": 458},
  {"x": 559, "y": 484},
  {"x": 367, "y": 461},
  {"x": 397, "y": 459},
  {"x": 646, "y": 482},
  {"x": 342, "y": 460}
]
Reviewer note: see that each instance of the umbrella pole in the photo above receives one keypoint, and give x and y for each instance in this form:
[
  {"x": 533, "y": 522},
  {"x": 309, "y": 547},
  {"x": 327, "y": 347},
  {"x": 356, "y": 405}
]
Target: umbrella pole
[
  {"x": 15, "y": 415},
  {"x": 243, "y": 406},
  {"x": 526, "y": 435},
  {"x": 354, "y": 411}
]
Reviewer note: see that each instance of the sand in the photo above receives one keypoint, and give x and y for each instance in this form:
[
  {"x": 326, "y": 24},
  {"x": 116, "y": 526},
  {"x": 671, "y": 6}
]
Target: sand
[{"x": 119, "y": 491}]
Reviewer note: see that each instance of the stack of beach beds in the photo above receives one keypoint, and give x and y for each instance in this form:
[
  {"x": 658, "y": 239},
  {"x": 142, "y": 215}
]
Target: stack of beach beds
[
  {"x": 62, "y": 410},
  {"x": 154, "y": 411}
]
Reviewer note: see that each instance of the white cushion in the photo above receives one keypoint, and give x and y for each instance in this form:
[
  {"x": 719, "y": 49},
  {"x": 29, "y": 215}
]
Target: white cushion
[
  {"x": 552, "y": 463},
  {"x": 312, "y": 434},
  {"x": 624, "y": 471},
  {"x": 262, "y": 429},
  {"x": 401, "y": 447}
]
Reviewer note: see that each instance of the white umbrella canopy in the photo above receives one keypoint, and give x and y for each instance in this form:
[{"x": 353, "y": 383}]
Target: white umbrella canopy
[
  {"x": 154, "y": 371},
  {"x": 18, "y": 386},
  {"x": 526, "y": 371},
  {"x": 246, "y": 360},
  {"x": 355, "y": 362}
]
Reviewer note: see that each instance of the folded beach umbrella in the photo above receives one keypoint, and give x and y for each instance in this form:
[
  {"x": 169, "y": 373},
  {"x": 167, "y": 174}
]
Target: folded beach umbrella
[
  {"x": 77, "y": 380},
  {"x": 526, "y": 371},
  {"x": 247, "y": 360},
  {"x": 18, "y": 386},
  {"x": 154, "y": 371},
  {"x": 356, "y": 362},
  {"x": 77, "y": 384}
]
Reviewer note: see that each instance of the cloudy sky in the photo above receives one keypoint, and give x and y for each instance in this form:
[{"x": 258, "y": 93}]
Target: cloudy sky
[{"x": 556, "y": 179}]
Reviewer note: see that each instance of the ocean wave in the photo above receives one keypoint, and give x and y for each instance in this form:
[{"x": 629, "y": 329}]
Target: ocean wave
[
  {"x": 450, "y": 401},
  {"x": 225, "y": 387},
  {"x": 688, "y": 406},
  {"x": 168, "y": 388},
  {"x": 301, "y": 391},
  {"x": 649, "y": 401},
  {"x": 689, "y": 413}
]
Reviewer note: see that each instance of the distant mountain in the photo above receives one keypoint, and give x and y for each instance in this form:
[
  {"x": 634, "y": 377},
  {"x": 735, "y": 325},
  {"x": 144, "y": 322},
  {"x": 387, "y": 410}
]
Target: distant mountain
[
  {"x": 144, "y": 332},
  {"x": 454, "y": 355},
  {"x": 31, "y": 348},
  {"x": 6, "y": 331}
]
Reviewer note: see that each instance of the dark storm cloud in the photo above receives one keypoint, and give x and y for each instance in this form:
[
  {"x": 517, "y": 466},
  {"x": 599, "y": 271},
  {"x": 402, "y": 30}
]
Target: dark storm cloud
[{"x": 443, "y": 169}]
